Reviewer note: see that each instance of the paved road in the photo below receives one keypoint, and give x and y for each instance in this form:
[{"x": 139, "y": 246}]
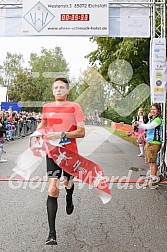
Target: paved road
[{"x": 134, "y": 220}]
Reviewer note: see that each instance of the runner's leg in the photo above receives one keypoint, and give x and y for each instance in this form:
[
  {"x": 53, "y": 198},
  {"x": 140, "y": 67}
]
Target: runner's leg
[
  {"x": 69, "y": 186},
  {"x": 54, "y": 173}
]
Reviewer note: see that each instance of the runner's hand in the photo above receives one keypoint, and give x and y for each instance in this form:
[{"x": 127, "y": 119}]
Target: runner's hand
[{"x": 53, "y": 135}]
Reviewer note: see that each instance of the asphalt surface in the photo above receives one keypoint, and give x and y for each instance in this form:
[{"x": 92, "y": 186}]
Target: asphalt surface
[{"x": 134, "y": 220}]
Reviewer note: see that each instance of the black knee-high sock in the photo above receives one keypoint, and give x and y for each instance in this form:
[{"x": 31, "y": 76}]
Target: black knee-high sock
[
  {"x": 52, "y": 206},
  {"x": 69, "y": 194}
]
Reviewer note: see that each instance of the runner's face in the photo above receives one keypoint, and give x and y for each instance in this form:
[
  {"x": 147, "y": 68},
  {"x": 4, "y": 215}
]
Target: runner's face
[{"x": 60, "y": 91}]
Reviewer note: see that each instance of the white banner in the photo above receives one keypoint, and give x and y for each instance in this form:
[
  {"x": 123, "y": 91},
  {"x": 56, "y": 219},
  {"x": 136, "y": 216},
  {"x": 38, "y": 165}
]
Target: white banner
[
  {"x": 129, "y": 20},
  {"x": 65, "y": 18},
  {"x": 3, "y": 94},
  {"x": 159, "y": 70}
]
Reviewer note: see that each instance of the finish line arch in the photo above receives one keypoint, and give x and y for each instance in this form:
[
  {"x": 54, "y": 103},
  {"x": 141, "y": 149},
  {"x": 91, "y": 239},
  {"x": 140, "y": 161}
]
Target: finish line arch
[{"x": 112, "y": 14}]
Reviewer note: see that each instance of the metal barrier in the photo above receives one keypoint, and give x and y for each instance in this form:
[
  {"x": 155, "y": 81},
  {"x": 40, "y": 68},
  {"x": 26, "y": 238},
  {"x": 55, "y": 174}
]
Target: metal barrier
[{"x": 22, "y": 129}]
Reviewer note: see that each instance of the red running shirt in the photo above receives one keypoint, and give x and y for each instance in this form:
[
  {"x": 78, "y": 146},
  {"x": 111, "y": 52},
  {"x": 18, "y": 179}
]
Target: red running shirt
[{"x": 63, "y": 118}]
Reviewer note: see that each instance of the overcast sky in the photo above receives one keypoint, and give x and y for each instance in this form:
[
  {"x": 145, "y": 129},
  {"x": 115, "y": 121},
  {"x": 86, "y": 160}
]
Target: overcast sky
[{"x": 74, "y": 49}]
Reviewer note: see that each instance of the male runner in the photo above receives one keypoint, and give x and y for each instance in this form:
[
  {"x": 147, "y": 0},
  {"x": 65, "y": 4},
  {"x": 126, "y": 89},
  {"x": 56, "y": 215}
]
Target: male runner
[{"x": 65, "y": 120}]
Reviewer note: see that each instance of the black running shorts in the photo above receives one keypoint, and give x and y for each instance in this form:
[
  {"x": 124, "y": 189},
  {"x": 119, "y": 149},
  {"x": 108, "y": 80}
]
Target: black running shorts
[{"x": 54, "y": 171}]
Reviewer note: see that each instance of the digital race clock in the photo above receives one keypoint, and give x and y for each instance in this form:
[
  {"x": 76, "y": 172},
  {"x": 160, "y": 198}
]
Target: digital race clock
[{"x": 74, "y": 17}]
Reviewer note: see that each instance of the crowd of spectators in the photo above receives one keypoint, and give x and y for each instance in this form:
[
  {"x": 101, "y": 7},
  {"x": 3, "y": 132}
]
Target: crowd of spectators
[
  {"x": 18, "y": 124},
  {"x": 93, "y": 119}
]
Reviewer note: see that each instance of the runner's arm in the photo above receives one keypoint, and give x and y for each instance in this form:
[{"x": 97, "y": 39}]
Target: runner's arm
[
  {"x": 78, "y": 133},
  {"x": 42, "y": 124}
]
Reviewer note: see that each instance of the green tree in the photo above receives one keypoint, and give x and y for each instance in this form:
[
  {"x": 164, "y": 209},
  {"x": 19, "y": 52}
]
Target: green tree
[
  {"x": 47, "y": 66},
  {"x": 22, "y": 88},
  {"x": 135, "y": 51},
  {"x": 35, "y": 82},
  {"x": 91, "y": 92},
  {"x": 10, "y": 67}
]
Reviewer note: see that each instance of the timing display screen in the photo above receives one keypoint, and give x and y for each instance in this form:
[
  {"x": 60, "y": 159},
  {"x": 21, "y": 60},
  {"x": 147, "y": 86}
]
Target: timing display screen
[{"x": 74, "y": 17}]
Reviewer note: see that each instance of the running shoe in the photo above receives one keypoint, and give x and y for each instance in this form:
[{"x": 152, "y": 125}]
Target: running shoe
[
  {"x": 51, "y": 239},
  {"x": 3, "y": 160}
]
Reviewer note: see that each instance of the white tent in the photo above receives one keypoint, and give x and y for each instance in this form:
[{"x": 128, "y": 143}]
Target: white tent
[{"x": 3, "y": 94}]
